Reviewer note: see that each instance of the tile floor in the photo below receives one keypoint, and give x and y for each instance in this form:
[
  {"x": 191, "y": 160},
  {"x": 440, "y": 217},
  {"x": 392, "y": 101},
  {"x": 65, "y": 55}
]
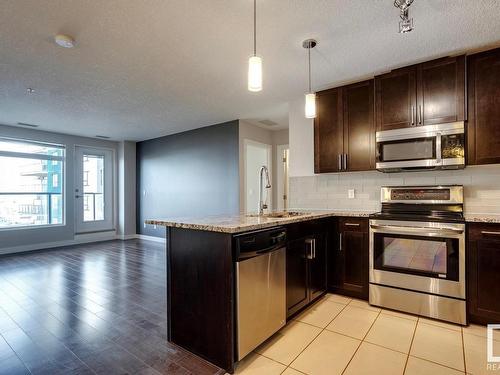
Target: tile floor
[{"x": 339, "y": 335}]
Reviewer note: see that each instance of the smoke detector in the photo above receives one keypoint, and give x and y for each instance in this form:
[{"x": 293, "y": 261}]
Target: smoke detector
[
  {"x": 406, "y": 23},
  {"x": 64, "y": 41}
]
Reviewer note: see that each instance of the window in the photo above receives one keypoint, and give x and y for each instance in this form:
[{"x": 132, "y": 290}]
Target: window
[{"x": 31, "y": 183}]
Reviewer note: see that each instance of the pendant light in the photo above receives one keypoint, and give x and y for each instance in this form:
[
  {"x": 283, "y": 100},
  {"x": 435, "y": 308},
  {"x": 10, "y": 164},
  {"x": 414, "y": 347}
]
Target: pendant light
[
  {"x": 310, "y": 106},
  {"x": 255, "y": 62}
]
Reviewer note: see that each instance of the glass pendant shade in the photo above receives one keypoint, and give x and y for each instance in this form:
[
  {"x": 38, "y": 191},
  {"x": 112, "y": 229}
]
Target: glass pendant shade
[
  {"x": 255, "y": 73},
  {"x": 310, "y": 105}
]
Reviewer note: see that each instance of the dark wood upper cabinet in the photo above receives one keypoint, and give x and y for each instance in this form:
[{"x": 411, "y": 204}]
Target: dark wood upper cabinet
[
  {"x": 441, "y": 91},
  {"x": 328, "y": 131},
  {"x": 483, "y": 278},
  {"x": 425, "y": 94},
  {"x": 395, "y": 99},
  {"x": 483, "y": 128},
  {"x": 344, "y": 129},
  {"x": 359, "y": 129}
]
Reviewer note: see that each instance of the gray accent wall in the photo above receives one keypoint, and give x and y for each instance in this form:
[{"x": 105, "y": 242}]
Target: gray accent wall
[{"x": 195, "y": 173}]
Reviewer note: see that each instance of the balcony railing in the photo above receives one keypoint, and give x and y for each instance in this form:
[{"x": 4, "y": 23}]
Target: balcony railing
[{"x": 24, "y": 207}]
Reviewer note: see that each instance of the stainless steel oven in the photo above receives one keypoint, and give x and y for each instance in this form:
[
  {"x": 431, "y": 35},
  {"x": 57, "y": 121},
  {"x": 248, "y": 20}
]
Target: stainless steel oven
[
  {"x": 421, "y": 148},
  {"x": 417, "y": 252}
]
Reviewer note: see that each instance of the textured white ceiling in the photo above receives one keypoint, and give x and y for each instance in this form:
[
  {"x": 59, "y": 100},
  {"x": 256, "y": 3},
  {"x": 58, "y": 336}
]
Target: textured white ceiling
[{"x": 143, "y": 69}]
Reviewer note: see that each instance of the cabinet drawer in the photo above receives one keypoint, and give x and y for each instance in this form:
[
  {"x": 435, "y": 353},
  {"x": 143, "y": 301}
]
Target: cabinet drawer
[
  {"x": 482, "y": 231},
  {"x": 353, "y": 224}
]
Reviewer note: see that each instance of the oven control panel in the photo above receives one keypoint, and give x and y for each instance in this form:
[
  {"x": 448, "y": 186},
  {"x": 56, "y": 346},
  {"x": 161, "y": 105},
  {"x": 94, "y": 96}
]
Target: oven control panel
[{"x": 420, "y": 194}]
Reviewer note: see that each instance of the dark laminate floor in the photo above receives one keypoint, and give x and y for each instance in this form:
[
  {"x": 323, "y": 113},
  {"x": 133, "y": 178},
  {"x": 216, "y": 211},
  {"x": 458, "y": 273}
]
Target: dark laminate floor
[{"x": 96, "y": 308}]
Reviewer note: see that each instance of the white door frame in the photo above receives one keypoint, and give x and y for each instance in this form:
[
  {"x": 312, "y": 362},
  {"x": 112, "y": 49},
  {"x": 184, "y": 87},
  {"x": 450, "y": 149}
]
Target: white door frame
[
  {"x": 269, "y": 147},
  {"x": 109, "y": 221}
]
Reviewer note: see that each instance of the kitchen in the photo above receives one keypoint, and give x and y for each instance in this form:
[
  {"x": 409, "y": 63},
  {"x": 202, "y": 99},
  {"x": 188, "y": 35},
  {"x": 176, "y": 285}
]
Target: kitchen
[{"x": 354, "y": 229}]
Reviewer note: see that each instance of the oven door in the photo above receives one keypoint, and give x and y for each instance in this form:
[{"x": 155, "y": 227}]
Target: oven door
[{"x": 422, "y": 256}]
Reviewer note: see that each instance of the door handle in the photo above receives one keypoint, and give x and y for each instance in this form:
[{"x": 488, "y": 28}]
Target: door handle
[
  {"x": 420, "y": 114},
  {"x": 340, "y": 241},
  {"x": 412, "y": 115},
  {"x": 78, "y": 196},
  {"x": 340, "y": 162},
  {"x": 490, "y": 233},
  {"x": 345, "y": 162},
  {"x": 314, "y": 248},
  {"x": 352, "y": 224}
]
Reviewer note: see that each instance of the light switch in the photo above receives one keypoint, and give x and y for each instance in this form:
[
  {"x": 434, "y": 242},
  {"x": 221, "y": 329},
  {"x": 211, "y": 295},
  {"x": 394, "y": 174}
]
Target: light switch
[{"x": 351, "y": 193}]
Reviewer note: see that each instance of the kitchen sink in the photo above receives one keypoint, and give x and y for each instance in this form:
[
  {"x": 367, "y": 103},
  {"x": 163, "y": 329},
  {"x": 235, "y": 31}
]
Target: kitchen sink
[{"x": 280, "y": 214}]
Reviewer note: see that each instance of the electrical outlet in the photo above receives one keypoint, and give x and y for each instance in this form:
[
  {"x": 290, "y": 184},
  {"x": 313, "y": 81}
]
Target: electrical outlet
[{"x": 351, "y": 193}]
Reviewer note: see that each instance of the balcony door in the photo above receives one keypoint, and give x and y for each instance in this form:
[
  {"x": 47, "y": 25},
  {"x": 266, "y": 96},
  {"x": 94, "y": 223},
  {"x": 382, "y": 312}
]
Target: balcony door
[{"x": 93, "y": 189}]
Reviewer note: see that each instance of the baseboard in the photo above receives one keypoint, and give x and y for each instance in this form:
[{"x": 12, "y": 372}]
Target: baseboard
[
  {"x": 78, "y": 239},
  {"x": 151, "y": 238}
]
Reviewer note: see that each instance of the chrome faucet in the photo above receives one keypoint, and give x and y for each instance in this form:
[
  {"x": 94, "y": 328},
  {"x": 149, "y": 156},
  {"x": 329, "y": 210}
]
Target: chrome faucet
[{"x": 262, "y": 205}]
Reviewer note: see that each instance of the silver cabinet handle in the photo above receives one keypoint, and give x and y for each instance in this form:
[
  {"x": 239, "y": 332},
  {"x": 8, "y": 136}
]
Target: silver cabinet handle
[
  {"x": 490, "y": 233},
  {"x": 340, "y": 162},
  {"x": 420, "y": 114},
  {"x": 352, "y": 224},
  {"x": 314, "y": 248},
  {"x": 340, "y": 241},
  {"x": 412, "y": 115},
  {"x": 310, "y": 242},
  {"x": 345, "y": 162}
]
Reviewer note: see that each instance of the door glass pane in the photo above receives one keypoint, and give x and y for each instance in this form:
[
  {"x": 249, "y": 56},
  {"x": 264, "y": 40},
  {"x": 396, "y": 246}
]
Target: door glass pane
[{"x": 93, "y": 187}]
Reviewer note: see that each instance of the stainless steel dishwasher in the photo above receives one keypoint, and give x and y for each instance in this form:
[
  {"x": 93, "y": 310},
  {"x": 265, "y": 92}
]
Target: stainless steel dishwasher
[{"x": 260, "y": 287}]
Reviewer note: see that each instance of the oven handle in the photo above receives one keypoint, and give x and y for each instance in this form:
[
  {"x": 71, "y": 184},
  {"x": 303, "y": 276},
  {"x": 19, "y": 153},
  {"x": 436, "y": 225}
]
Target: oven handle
[{"x": 423, "y": 230}]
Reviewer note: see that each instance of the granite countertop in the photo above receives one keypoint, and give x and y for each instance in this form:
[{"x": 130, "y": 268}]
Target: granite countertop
[
  {"x": 478, "y": 218},
  {"x": 243, "y": 223}
]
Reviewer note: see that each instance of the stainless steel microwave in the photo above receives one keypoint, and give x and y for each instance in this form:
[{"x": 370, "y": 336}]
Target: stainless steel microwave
[{"x": 421, "y": 148}]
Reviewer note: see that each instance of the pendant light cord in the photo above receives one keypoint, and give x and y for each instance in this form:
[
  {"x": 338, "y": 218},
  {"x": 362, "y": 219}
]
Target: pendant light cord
[
  {"x": 309, "y": 57},
  {"x": 255, "y": 27}
]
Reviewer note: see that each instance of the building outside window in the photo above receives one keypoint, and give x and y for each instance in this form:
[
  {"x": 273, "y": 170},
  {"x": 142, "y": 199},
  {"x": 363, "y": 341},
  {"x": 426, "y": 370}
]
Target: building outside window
[{"x": 31, "y": 184}]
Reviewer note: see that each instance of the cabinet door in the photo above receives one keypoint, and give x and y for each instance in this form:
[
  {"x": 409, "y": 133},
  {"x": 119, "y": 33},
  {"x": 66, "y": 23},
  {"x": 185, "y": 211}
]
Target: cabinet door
[
  {"x": 317, "y": 267},
  {"x": 359, "y": 129},
  {"x": 395, "y": 99},
  {"x": 328, "y": 131},
  {"x": 297, "y": 291},
  {"x": 354, "y": 250},
  {"x": 483, "y": 265},
  {"x": 484, "y": 107},
  {"x": 441, "y": 91}
]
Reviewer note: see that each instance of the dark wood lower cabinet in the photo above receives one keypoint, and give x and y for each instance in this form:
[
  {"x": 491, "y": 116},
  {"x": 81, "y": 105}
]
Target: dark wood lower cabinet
[
  {"x": 306, "y": 264},
  {"x": 483, "y": 273},
  {"x": 348, "y": 259}
]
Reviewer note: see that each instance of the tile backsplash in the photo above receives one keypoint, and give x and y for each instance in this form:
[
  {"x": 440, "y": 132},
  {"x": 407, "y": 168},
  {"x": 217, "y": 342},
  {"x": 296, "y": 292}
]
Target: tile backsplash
[{"x": 330, "y": 191}]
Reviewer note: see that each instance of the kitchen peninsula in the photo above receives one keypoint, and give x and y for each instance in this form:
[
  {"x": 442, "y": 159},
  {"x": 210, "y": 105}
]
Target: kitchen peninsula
[{"x": 201, "y": 267}]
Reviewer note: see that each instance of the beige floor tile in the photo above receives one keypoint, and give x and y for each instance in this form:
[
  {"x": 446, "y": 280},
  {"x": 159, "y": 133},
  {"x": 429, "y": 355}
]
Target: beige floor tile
[
  {"x": 475, "y": 355},
  {"x": 417, "y": 366},
  {"x": 328, "y": 354},
  {"x": 353, "y": 321},
  {"x": 440, "y": 345},
  {"x": 374, "y": 360},
  {"x": 287, "y": 344},
  {"x": 363, "y": 305},
  {"x": 438, "y": 323},
  {"x": 321, "y": 313},
  {"x": 291, "y": 371},
  {"x": 255, "y": 364},
  {"x": 474, "y": 329},
  {"x": 392, "y": 332},
  {"x": 399, "y": 314},
  {"x": 338, "y": 298}
]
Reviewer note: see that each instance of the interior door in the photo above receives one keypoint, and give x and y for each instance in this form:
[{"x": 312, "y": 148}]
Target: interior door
[
  {"x": 395, "y": 99},
  {"x": 93, "y": 189}
]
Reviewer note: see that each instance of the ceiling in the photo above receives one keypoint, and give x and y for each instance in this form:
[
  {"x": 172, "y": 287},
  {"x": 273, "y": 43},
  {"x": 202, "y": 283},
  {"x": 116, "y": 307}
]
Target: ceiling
[{"x": 143, "y": 69}]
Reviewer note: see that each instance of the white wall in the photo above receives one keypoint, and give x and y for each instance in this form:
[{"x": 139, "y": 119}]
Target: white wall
[
  {"x": 329, "y": 191},
  {"x": 301, "y": 134},
  {"x": 14, "y": 240},
  {"x": 126, "y": 189}
]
